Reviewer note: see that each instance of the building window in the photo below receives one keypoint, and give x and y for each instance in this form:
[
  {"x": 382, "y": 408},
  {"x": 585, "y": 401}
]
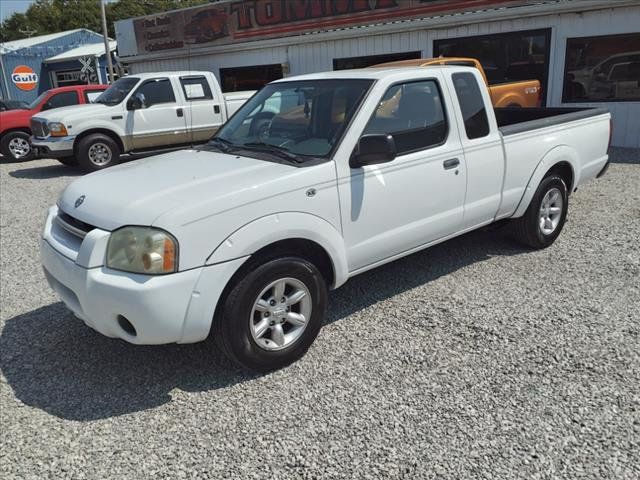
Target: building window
[
  {"x": 505, "y": 57},
  {"x": 67, "y": 78},
  {"x": 472, "y": 105},
  {"x": 413, "y": 114},
  {"x": 249, "y": 78},
  {"x": 364, "y": 62},
  {"x": 602, "y": 69}
]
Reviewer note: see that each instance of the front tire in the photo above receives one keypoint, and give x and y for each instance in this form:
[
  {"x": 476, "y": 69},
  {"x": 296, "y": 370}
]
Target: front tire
[
  {"x": 16, "y": 146},
  {"x": 271, "y": 316},
  {"x": 97, "y": 152},
  {"x": 543, "y": 221}
]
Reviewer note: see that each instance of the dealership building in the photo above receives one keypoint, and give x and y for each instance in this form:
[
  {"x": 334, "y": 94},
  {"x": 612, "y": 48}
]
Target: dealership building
[{"x": 583, "y": 52}]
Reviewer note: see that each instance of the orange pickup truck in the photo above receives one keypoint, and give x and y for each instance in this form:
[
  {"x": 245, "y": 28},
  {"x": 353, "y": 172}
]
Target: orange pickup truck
[{"x": 526, "y": 93}]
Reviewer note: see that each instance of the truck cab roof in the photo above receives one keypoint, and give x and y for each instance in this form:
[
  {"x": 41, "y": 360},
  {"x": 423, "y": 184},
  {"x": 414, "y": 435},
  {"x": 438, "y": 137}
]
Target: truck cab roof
[
  {"x": 180, "y": 73},
  {"x": 376, "y": 73}
]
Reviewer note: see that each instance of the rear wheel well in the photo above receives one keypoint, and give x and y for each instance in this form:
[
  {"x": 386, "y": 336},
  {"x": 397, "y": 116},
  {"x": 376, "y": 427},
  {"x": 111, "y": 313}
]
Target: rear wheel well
[
  {"x": 564, "y": 170},
  {"x": 102, "y": 131}
]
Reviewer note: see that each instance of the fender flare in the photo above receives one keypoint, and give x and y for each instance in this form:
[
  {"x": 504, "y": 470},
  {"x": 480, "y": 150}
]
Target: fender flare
[
  {"x": 273, "y": 228},
  {"x": 561, "y": 153}
]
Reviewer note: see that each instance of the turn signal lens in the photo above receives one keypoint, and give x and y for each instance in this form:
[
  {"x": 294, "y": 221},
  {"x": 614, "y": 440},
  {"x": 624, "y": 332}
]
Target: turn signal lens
[
  {"x": 142, "y": 250},
  {"x": 57, "y": 129}
]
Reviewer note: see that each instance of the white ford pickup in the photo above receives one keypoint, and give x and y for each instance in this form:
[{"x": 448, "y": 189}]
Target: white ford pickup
[
  {"x": 315, "y": 179},
  {"x": 137, "y": 114}
]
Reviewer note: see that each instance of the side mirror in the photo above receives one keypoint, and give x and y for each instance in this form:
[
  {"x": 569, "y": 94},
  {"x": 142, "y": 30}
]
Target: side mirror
[
  {"x": 136, "y": 102},
  {"x": 46, "y": 106},
  {"x": 373, "y": 149}
]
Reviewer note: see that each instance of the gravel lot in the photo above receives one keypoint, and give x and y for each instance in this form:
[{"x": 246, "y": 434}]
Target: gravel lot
[{"x": 474, "y": 359}]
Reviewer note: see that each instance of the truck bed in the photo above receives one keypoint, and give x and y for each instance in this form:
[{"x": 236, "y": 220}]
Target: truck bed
[{"x": 518, "y": 120}]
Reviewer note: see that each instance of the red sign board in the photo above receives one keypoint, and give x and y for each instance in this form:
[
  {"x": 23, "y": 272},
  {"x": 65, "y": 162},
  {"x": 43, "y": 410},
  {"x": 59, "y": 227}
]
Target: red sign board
[{"x": 247, "y": 20}]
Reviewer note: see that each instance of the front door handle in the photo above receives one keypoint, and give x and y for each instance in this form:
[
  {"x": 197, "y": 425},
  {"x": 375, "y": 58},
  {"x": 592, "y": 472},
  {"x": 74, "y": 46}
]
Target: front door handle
[
  {"x": 179, "y": 112},
  {"x": 451, "y": 163}
]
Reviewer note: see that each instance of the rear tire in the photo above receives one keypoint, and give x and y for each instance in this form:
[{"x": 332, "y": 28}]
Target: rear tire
[
  {"x": 97, "y": 152},
  {"x": 543, "y": 221},
  {"x": 257, "y": 330},
  {"x": 16, "y": 146}
]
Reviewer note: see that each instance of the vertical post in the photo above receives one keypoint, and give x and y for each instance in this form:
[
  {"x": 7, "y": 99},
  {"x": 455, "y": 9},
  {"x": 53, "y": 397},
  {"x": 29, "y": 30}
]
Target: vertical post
[{"x": 106, "y": 40}]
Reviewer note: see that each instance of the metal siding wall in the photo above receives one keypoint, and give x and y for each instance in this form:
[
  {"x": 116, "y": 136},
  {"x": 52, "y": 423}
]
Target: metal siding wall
[
  {"x": 318, "y": 56},
  {"x": 11, "y": 61},
  {"x": 626, "y": 115},
  {"x": 214, "y": 63}
]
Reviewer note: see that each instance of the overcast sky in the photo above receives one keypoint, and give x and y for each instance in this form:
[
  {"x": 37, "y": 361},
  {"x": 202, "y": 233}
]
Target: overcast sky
[{"x": 7, "y": 7}]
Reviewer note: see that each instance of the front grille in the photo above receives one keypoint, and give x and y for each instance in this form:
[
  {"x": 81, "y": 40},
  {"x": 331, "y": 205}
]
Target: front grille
[
  {"x": 73, "y": 225},
  {"x": 39, "y": 128}
]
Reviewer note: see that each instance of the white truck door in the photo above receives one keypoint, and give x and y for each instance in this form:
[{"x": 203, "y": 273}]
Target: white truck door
[
  {"x": 418, "y": 197},
  {"x": 203, "y": 109},
  {"x": 161, "y": 121},
  {"x": 482, "y": 147}
]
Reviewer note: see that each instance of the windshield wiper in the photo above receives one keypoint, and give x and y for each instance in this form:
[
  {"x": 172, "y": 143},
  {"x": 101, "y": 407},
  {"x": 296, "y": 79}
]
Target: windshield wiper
[
  {"x": 222, "y": 144},
  {"x": 272, "y": 149}
]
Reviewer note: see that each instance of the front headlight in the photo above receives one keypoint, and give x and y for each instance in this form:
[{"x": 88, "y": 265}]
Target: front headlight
[
  {"x": 57, "y": 129},
  {"x": 142, "y": 250}
]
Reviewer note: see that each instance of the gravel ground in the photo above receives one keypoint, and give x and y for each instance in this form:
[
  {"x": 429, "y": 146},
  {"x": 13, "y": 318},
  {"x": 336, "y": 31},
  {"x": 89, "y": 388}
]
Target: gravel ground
[{"x": 474, "y": 359}]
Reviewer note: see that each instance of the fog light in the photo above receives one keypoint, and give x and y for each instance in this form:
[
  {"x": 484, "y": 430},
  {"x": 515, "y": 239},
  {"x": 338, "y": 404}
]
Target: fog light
[{"x": 127, "y": 326}]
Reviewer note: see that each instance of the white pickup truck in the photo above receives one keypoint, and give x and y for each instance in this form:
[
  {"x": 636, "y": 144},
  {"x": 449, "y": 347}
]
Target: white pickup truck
[
  {"x": 315, "y": 179},
  {"x": 141, "y": 113}
]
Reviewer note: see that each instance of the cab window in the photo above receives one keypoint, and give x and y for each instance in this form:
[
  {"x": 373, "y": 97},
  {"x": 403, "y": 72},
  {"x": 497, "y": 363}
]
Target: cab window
[
  {"x": 413, "y": 114},
  {"x": 474, "y": 113},
  {"x": 63, "y": 99},
  {"x": 157, "y": 91}
]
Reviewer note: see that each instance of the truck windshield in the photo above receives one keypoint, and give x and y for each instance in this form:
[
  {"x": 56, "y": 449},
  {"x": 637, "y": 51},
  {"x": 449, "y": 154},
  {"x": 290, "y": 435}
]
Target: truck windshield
[
  {"x": 117, "y": 92},
  {"x": 293, "y": 120}
]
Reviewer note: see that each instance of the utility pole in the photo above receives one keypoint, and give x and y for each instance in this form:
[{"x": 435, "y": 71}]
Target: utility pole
[{"x": 106, "y": 40}]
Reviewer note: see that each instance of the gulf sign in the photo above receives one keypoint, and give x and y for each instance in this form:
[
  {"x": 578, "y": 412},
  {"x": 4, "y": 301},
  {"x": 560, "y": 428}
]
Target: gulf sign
[{"x": 24, "y": 78}]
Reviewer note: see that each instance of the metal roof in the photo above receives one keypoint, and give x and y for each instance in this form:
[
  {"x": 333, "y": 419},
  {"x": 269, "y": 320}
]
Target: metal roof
[
  {"x": 33, "y": 41},
  {"x": 89, "y": 50}
]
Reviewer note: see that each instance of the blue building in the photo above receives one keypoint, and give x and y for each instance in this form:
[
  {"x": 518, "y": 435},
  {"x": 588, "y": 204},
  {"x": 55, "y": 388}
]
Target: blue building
[{"x": 33, "y": 65}]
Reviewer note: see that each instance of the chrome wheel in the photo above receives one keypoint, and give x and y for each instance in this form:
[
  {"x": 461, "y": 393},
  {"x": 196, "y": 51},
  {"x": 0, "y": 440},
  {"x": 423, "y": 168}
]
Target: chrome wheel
[
  {"x": 280, "y": 314},
  {"x": 19, "y": 147},
  {"x": 550, "y": 211},
  {"x": 99, "y": 154}
]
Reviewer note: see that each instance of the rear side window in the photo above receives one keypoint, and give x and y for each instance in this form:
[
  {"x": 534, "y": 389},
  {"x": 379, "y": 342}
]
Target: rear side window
[
  {"x": 196, "y": 88},
  {"x": 472, "y": 105},
  {"x": 91, "y": 95},
  {"x": 413, "y": 114},
  {"x": 157, "y": 91},
  {"x": 63, "y": 99}
]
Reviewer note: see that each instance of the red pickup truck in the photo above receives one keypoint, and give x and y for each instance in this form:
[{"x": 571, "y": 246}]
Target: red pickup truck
[{"x": 15, "y": 128}]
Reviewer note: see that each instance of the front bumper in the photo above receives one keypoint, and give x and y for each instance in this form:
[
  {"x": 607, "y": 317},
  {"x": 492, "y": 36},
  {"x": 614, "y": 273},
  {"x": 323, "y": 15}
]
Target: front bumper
[
  {"x": 55, "y": 147},
  {"x": 178, "y": 307}
]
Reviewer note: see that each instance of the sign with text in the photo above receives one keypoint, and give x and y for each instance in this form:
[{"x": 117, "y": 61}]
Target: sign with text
[{"x": 247, "y": 20}]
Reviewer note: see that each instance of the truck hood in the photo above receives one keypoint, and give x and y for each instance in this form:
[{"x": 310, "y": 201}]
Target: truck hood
[
  {"x": 69, "y": 114},
  {"x": 139, "y": 192}
]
